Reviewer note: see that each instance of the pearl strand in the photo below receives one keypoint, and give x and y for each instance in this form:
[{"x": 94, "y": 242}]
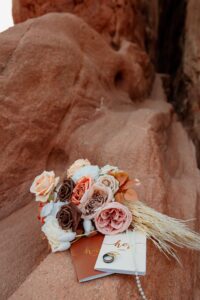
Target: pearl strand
[{"x": 139, "y": 286}]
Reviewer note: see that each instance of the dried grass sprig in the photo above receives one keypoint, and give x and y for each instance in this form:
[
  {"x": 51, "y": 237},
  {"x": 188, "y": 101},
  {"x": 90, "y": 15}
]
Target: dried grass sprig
[{"x": 164, "y": 231}]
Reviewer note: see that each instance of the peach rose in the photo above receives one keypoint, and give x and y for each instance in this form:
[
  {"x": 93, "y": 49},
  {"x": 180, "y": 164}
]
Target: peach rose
[
  {"x": 79, "y": 163},
  {"x": 43, "y": 185},
  {"x": 113, "y": 218},
  {"x": 81, "y": 187},
  {"x": 109, "y": 181}
]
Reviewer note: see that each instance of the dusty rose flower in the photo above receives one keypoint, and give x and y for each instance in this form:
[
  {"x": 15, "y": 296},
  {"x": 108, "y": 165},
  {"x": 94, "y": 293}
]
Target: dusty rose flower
[
  {"x": 94, "y": 199},
  {"x": 65, "y": 190},
  {"x": 43, "y": 185},
  {"x": 113, "y": 218},
  {"x": 79, "y": 163},
  {"x": 81, "y": 187},
  {"x": 109, "y": 181},
  {"x": 69, "y": 217}
]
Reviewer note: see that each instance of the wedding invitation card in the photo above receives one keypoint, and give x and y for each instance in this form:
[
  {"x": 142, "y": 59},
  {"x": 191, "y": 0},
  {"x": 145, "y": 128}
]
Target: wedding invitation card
[{"x": 129, "y": 250}]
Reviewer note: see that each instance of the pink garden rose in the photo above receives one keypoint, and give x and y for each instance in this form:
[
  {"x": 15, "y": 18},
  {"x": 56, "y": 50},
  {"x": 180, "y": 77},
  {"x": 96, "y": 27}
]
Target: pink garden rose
[{"x": 113, "y": 218}]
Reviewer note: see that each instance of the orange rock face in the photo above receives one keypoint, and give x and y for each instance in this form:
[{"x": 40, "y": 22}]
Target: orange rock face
[
  {"x": 65, "y": 75},
  {"x": 187, "y": 82},
  {"x": 116, "y": 20},
  {"x": 65, "y": 94}
]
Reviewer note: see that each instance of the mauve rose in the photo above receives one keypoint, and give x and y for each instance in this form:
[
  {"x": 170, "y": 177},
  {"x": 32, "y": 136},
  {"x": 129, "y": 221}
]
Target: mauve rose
[
  {"x": 94, "y": 199},
  {"x": 69, "y": 217},
  {"x": 113, "y": 218},
  {"x": 65, "y": 190}
]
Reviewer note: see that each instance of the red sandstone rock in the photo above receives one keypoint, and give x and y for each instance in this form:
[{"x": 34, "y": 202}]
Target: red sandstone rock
[
  {"x": 138, "y": 21},
  {"x": 143, "y": 141},
  {"x": 187, "y": 84},
  {"x": 116, "y": 20},
  {"x": 65, "y": 94},
  {"x": 56, "y": 70},
  {"x": 22, "y": 247}
]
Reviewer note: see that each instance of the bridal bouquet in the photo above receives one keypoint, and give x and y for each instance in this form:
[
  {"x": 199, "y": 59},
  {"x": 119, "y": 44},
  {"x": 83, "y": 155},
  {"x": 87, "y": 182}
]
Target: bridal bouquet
[{"x": 92, "y": 199}]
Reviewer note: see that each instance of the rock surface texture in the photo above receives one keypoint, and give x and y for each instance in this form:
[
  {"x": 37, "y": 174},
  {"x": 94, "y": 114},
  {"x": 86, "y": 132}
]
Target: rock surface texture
[
  {"x": 178, "y": 56},
  {"x": 65, "y": 94},
  {"x": 64, "y": 71},
  {"x": 187, "y": 81},
  {"x": 168, "y": 30},
  {"x": 115, "y": 20}
]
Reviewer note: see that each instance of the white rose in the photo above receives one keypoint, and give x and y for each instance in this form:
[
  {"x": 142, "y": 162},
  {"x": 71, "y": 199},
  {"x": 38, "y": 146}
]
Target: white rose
[
  {"x": 106, "y": 169},
  {"x": 79, "y": 163},
  {"x": 43, "y": 185},
  {"x": 87, "y": 171},
  {"x": 59, "y": 239},
  {"x": 109, "y": 181}
]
